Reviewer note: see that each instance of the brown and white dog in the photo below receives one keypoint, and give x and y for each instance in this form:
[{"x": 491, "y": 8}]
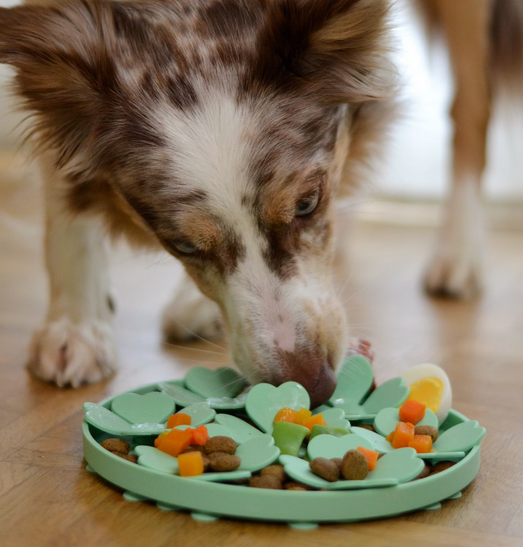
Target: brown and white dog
[
  {"x": 219, "y": 129},
  {"x": 224, "y": 131}
]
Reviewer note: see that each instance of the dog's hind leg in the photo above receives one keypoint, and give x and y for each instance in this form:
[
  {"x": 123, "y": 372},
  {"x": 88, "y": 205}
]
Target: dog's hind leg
[
  {"x": 75, "y": 345},
  {"x": 456, "y": 267},
  {"x": 191, "y": 315}
]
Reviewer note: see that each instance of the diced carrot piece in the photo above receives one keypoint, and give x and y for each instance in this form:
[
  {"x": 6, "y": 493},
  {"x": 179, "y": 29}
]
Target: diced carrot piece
[
  {"x": 200, "y": 435},
  {"x": 190, "y": 464},
  {"x": 176, "y": 441},
  {"x": 390, "y": 437},
  {"x": 422, "y": 444},
  {"x": 403, "y": 434},
  {"x": 314, "y": 420},
  {"x": 286, "y": 415},
  {"x": 412, "y": 411},
  {"x": 178, "y": 419},
  {"x": 371, "y": 455},
  {"x": 159, "y": 438},
  {"x": 303, "y": 414}
]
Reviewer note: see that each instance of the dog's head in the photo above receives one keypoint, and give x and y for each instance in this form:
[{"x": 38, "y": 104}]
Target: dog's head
[{"x": 223, "y": 126}]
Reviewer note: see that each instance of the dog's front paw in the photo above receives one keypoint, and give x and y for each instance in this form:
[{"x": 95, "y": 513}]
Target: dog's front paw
[
  {"x": 191, "y": 315},
  {"x": 73, "y": 354},
  {"x": 456, "y": 269}
]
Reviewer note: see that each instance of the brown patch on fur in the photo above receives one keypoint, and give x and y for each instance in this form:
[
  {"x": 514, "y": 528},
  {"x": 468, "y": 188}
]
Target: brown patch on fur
[{"x": 333, "y": 50}]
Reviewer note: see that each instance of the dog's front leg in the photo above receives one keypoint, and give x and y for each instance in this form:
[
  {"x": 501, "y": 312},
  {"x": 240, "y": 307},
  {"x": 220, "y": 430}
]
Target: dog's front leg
[{"x": 75, "y": 345}]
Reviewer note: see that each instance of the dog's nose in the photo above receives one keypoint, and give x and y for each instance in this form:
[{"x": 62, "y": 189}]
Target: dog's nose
[{"x": 320, "y": 384}]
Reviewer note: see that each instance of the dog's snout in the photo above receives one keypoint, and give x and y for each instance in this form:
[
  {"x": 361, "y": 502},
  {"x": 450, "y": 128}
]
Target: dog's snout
[{"x": 318, "y": 378}]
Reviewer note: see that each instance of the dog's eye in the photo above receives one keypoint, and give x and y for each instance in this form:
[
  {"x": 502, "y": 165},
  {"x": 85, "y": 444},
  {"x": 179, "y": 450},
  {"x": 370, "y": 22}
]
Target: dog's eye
[
  {"x": 185, "y": 247},
  {"x": 306, "y": 206}
]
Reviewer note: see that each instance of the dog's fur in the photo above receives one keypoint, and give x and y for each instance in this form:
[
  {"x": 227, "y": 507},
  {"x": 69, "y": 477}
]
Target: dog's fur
[
  {"x": 211, "y": 128},
  {"x": 208, "y": 127}
]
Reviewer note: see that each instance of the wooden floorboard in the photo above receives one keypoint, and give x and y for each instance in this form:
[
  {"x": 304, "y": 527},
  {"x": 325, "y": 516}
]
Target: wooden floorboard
[{"x": 47, "y": 498}]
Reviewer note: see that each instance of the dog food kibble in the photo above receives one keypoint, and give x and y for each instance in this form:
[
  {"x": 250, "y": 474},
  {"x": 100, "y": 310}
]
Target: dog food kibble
[
  {"x": 426, "y": 471},
  {"x": 190, "y": 464},
  {"x": 269, "y": 482},
  {"x": 371, "y": 455},
  {"x": 369, "y": 427},
  {"x": 422, "y": 444},
  {"x": 294, "y": 486},
  {"x": 427, "y": 430},
  {"x": 133, "y": 458},
  {"x": 220, "y": 444},
  {"x": 116, "y": 445},
  {"x": 354, "y": 466},
  {"x": 412, "y": 411},
  {"x": 338, "y": 462},
  {"x": 178, "y": 419},
  {"x": 223, "y": 462},
  {"x": 274, "y": 470},
  {"x": 289, "y": 437},
  {"x": 442, "y": 466},
  {"x": 325, "y": 468}
]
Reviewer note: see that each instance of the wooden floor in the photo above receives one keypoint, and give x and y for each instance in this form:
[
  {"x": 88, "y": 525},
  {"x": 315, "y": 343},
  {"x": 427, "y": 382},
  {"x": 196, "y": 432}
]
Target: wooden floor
[{"x": 48, "y": 499}]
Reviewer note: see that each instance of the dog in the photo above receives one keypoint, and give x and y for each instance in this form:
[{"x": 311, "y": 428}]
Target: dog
[
  {"x": 220, "y": 130},
  {"x": 224, "y": 131}
]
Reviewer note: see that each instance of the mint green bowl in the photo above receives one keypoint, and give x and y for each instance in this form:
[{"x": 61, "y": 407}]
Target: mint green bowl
[{"x": 294, "y": 507}]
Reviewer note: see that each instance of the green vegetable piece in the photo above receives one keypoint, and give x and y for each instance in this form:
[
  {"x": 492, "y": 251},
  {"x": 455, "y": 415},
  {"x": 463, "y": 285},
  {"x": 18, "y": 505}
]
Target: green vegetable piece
[
  {"x": 326, "y": 430},
  {"x": 289, "y": 437}
]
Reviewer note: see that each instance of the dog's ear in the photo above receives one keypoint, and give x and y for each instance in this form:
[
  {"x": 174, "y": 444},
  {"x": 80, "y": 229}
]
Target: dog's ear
[
  {"x": 62, "y": 67},
  {"x": 337, "y": 49}
]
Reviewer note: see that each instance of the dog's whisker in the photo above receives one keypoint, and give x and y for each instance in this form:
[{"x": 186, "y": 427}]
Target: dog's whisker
[
  {"x": 198, "y": 336},
  {"x": 171, "y": 345}
]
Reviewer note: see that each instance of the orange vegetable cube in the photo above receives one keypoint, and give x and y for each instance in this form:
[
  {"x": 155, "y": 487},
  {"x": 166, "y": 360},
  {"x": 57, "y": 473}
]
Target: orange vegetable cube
[
  {"x": 371, "y": 455},
  {"x": 403, "y": 434},
  {"x": 159, "y": 438},
  {"x": 303, "y": 414},
  {"x": 286, "y": 415},
  {"x": 200, "y": 435},
  {"x": 412, "y": 411},
  {"x": 190, "y": 464},
  {"x": 178, "y": 419},
  {"x": 390, "y": 437},
  {"x": 314, "y": 420},
  {"x": 175, "y": 441},
  {"x": 422, "y": 444}
]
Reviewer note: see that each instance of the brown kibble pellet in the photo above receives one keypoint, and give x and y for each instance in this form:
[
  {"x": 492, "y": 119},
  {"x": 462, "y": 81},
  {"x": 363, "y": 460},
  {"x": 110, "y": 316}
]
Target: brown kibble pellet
[
  {"x": 269, "y": 482},
  {"x": 206, "y": 463},
  {"x": 427, "y": 470},
  {"x": 442, "y": 466},
  {"x": 291, "y": 485},
  {"x": 338, "y": 462},
  {"x": 223, "y": 462},
  {"x": 116, "y": 445},
  {"x": 354, "y": 466},
  {"x": 368, "y": 426},
  {"x": 133, "y": 458},
  {"x": 275, "y": 471},
  {"x": 325, "y": 468},
  {"x": 220, "y": 444},
  {"x": 427, "y": 430}
]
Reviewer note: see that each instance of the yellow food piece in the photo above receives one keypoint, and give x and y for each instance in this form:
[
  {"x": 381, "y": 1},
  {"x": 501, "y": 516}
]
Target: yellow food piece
[{"x": 428, "y": 391}]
